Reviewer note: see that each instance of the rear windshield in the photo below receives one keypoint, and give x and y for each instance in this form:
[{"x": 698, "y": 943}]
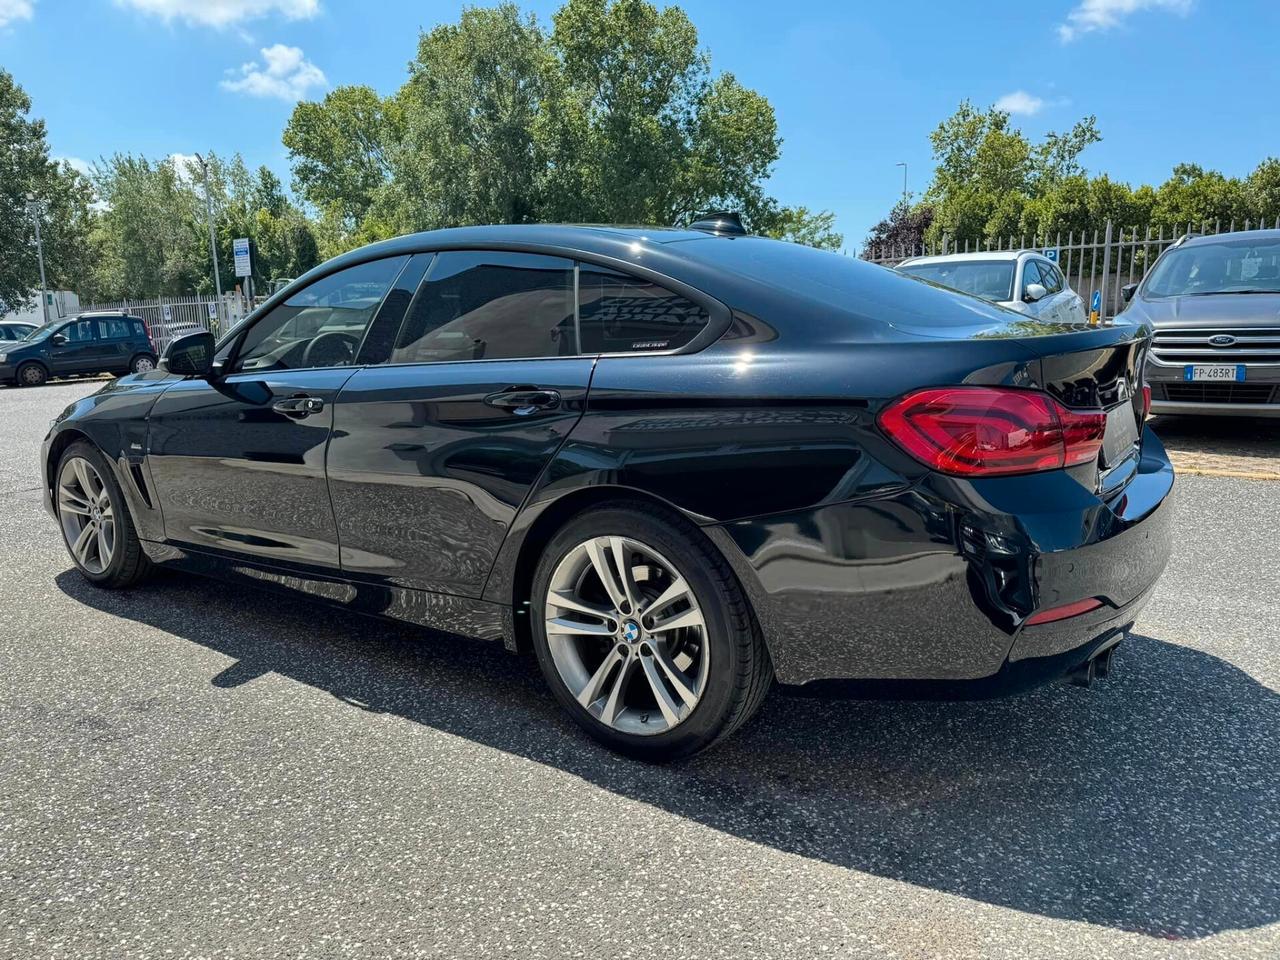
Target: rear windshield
[
  {"x": 1234, "y": 266},
  {"x": 988, "y": 279}
]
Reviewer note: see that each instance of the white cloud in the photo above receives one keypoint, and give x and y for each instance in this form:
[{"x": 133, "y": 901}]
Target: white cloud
[
  {"x": 1091, "y": 15},
  {"x": 186, "y": 166},
  {"x": 11, "y": 10},
  {"x": 221, "y": 13},
  {"x": 1020, "y": 102},
  {"x": 284, "y": 73},
  {"x": 75, "y": 163}
]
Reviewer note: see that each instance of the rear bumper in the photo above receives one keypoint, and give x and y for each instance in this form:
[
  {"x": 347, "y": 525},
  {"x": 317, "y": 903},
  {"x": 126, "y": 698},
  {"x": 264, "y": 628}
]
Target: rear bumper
[{"x": 936, "y": 582}]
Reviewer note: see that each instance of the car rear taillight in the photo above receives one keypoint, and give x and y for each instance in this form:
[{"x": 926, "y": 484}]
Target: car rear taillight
[{"x": 986, "y": 431}]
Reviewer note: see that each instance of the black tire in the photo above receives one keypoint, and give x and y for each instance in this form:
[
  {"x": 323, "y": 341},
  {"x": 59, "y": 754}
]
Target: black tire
[
  {"x": 129, "y": 564},
  {"x": 32, "y": 374},
  {"x": 136, "y": 362},
  {"x": 740, "y": 673}
]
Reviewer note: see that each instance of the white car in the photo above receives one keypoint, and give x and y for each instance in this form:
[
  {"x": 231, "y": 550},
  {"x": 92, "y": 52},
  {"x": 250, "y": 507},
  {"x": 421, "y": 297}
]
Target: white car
[{"x": 1021, "y": 280}]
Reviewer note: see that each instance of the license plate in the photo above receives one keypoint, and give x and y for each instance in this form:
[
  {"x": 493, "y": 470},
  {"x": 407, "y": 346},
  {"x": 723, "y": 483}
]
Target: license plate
[{"x": 1214, "y": 371}]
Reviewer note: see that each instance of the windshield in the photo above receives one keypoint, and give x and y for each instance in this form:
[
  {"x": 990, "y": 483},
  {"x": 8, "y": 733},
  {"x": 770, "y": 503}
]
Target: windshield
[
  {"x": 988, "y": 279},
  {"x": 39, "y": 333},
  {"x": 1234, "y": 266}
]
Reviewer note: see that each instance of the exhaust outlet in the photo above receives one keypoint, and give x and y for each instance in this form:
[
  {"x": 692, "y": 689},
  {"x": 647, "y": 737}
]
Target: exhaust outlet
[{"x": 1097, "y": 667}]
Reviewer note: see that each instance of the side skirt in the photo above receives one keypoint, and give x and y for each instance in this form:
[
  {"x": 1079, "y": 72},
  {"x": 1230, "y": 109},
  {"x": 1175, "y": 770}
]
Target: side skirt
[{"x": 446, "y": 613}]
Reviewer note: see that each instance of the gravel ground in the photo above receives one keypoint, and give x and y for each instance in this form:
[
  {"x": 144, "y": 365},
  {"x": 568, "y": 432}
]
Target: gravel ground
[{"x": 195, "y": 770}]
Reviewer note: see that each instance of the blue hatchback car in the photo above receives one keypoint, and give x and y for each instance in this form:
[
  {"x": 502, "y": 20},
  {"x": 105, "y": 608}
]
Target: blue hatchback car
[{"x": 90, "y": 343}]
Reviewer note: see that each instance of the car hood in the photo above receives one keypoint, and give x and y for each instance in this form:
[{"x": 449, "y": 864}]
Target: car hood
[{"x": 1213, "y": 310}]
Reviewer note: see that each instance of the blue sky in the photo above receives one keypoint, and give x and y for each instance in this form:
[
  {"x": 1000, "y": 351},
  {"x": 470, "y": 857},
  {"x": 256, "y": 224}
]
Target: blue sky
[{"x": 856, "y": 86}]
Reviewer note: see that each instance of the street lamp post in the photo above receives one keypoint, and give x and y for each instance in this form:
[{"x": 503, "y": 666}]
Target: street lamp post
[
  {"x": 33, "y": 207},
  {"x": 904, "y": 180},
  {"x": 208, "y": 212}
]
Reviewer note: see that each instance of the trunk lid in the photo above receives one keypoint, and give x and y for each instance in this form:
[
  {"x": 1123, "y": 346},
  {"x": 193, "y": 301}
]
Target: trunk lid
[{"x": 1081, "y": 366}]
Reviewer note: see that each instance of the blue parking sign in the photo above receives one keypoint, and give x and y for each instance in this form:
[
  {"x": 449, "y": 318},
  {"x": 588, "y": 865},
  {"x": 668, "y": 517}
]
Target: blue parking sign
[{"x": 1051, "y": 253}]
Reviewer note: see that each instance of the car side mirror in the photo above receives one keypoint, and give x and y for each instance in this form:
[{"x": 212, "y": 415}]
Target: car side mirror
[
  {"x": 1035, "y": 291},
  {"x": 57, "y": 340},
  {"x": 190, "y": 355},
  {"x": 1128, "y": 290}
]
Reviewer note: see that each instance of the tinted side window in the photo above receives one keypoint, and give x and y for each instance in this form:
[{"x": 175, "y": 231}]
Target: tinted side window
[
  {"x": 323, "y": 324},
  {"x": 619, "y": 313},
  {"x": 113, "y": 329},
  {"x": 490, "y": 306},
  {"x": 81, "y": 331},
  {"x": 138, "y": 329},
  {"x": 1050, "y": 277}
]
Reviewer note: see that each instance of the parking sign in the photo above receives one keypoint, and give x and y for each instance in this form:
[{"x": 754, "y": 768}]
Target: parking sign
[{"x": 1051, "y": 253}]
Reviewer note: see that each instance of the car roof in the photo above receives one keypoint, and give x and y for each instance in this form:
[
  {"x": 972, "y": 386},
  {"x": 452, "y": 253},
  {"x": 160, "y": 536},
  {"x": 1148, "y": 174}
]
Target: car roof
[
  {"x": 1266, "y": 236},
  {"x": 980, "y": 256}
]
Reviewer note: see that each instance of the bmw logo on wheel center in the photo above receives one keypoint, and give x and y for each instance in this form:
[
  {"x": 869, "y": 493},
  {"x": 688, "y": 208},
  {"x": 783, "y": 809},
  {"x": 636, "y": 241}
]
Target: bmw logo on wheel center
[{"x": 631, "y": 631}]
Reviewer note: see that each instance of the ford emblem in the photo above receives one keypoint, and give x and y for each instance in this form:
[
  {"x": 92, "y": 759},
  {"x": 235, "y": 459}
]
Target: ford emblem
[{"x": 1222, "y": 340}]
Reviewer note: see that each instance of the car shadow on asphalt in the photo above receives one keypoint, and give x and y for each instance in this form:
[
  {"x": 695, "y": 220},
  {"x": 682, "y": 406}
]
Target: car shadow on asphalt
[{"x": 1147, "y": 803}]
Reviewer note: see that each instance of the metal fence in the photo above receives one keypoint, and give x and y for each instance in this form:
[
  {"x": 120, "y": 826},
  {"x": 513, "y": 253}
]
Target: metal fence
[
  {"x": 1103, "y": 259},
  {"x": 169, "y": 317}
]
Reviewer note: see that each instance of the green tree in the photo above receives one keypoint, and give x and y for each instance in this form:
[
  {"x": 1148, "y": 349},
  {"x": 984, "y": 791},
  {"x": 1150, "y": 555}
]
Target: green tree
[
  {"x": 63, "y": 195},
  {"x": 467, "y": 151},
  {"x": 801, "y": 225},
  {"x": 340, "y": 148},
  {"x": 613, "y": 116},
  {"x": 1193, "y": 195},
  {"x": 1262, "y": 189}
]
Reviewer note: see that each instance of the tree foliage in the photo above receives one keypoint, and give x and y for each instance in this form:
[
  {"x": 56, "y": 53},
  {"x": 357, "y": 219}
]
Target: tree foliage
[
  {"x": 611, "y": 116},
  {"x": 992, "y": 184},
  {"x": 152, "y": 238},
  {"x": 63, "y": 197}
]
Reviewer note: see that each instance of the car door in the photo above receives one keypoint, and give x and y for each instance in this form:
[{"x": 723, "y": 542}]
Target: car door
[
  {"x": 237, "y": 460},
  {"x": 72, "y": 348},
  {"x": 434, "y": 451},
  {"x": 115, "y": 340}
]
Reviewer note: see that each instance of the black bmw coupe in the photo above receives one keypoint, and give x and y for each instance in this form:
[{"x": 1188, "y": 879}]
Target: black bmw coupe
[{"x": 675, "y": 464}]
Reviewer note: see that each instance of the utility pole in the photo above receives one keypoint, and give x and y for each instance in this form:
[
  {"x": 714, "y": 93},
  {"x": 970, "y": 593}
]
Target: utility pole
[
  {"x": 208, "y": 212},
  {"x": 904, "y": 181},
  {"x": 33, "y": 208}
]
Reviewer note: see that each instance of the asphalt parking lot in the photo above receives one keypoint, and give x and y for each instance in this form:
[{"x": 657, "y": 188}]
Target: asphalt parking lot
[{"x": 196, "y": 770}]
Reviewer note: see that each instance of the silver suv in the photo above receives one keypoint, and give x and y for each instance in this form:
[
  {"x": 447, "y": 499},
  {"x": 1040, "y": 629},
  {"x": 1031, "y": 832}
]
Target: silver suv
[
  {"x": 1214, "y": 303},
  {"x": 1021, "y": 280}
]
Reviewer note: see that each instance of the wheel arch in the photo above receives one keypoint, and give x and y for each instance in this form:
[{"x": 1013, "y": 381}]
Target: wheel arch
[{"x": 514, "y": 587}]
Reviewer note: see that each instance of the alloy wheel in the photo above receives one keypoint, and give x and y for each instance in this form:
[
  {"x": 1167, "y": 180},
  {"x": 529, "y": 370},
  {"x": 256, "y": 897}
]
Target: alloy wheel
[
  {"x": 87, "y": 514},
  {"x": 32, "y": 375},
  {"x": 143, "y": 365},
  {"x": 627, "y": 636}
]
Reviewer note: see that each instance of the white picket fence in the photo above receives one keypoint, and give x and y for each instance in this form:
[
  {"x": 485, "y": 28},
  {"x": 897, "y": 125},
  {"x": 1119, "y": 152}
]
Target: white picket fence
[{"x": 169, "y": 317}]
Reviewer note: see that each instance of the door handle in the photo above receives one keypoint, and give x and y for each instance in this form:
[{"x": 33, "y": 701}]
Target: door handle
[
  {"x": 298, "y": 408},
  {"x": 524, "y": 401}
]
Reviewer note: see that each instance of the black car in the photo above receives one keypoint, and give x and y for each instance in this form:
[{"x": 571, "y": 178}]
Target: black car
[
  {"x": 90, "y": 343},
  {"x": 673, "y": 464}
]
